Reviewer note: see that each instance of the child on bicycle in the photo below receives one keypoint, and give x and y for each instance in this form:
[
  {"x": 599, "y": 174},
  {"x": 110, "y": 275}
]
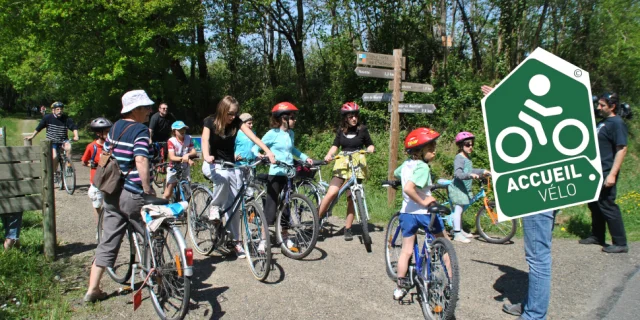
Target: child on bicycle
[
  {"x": 91, "y": 158},
  {"x": 460, "y": 188},
  {"x": 181, "y": 152},
  {"x": 218, "y": 143},
  {"x": 280, "y": 140},
  {"x": 415, "y": 174}
]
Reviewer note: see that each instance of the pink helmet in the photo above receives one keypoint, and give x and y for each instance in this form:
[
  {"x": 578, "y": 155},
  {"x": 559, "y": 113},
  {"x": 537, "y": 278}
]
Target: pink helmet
[{"x": 464, "y": 135}]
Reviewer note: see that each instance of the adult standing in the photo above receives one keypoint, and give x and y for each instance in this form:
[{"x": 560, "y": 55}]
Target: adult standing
[
  {"x": 130, "y": 141},
  {"x": 612, "y": 141},
  {"x": 538, "y": 230},
  {"x": 160, "y": 124}
]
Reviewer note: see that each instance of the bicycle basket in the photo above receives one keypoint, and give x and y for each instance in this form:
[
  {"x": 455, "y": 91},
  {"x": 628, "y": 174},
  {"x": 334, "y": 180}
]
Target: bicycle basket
[{"x": 304, "y": 172}]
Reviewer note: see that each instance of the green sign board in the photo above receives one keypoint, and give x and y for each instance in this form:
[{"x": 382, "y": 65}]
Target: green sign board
[{"x": 542, "y": 139}]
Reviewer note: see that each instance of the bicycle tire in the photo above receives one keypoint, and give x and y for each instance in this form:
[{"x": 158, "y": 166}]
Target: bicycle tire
[
  {"x": 305, "y": 227},
  {"x": 60, "y": 175},
  {"x": 497, "y": 233},
  {"x": 69, "y": 176},
  {"x": 169, "y": 287},
  {"x": 159, "y": 179},
  {"x": 443, "y": 305},
  {"x": 362, "y": 211},
  {"x": 199, "y": 228},
  {"x": 121, "y": 270},
  {"x": 255, "y": 228},
  {"x": 392, "y": 249}
]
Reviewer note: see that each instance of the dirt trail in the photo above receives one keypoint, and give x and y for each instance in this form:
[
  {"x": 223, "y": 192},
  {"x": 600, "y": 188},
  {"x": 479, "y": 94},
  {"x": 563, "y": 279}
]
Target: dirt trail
[{"x": 340, "y": 280}]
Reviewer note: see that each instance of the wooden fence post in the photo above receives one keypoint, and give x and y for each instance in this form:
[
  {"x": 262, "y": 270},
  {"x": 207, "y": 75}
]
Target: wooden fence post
[
  {"x": 395, "y": 123},
  {"x": 48, "y": 201}
]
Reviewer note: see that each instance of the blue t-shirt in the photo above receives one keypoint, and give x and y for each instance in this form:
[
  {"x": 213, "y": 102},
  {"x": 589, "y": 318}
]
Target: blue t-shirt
[
  {"x": 281, "y": 143},
  {"x": 243, "y": 148},
  {"x": 134, "y": 142}
]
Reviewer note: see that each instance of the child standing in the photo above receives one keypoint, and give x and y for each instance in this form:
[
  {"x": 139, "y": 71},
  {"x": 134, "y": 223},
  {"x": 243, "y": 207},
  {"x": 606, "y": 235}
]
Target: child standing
[
  {"x": 91, "y": 158},
  {"x": 181, "y": 151},
  {"x": 415, "y": 175},
  {"x": 460, "y": 189}
]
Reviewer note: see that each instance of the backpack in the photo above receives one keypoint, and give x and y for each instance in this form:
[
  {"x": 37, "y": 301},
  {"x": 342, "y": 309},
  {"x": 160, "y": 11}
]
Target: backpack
[{"x": 108, "y": 177}]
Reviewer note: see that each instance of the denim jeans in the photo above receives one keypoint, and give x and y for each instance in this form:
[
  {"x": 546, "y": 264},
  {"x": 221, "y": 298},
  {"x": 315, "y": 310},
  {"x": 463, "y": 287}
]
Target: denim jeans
[
  {"x": 537, "y": 250},
  {"x": 12, "y": 223}
]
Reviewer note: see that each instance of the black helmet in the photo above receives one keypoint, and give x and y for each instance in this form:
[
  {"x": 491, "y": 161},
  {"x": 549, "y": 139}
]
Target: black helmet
[
  {"x": 57, "y": 104},
  {"x": 100, "y": 123}
]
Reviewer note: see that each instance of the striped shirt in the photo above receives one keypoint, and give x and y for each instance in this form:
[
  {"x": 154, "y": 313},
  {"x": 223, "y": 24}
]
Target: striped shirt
[
  {"x": 57, "y": 127},
  {"x": 134, "y": 142}
]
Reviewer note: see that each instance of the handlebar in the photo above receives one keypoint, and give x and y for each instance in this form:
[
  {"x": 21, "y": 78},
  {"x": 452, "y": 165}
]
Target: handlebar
[
  {"x": 397, "y": 184},
  {"x": 344, "y": 154}
]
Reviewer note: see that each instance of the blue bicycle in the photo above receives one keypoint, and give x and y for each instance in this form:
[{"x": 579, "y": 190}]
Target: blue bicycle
[
  {"x": 435, "y": 271},
  {"x": 487, "y": 224}
]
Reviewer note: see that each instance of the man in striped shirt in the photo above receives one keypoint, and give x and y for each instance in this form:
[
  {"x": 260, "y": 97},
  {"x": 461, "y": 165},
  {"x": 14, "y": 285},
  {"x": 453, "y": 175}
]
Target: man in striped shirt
[
  {"x": 57, "y": 124},
  {"x": 129, "y": 142}
]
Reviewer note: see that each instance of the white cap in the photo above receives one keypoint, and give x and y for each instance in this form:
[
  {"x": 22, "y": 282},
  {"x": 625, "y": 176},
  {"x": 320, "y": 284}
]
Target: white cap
[{"x": 134, "y": 99}]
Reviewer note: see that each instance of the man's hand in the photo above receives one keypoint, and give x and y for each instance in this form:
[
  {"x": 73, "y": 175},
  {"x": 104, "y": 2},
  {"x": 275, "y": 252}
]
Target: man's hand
[
  {"x": 28, "y": 138},
  {"x": 209, "y": 159},
  {"x": 610, "y": 181},
  {"x": 150, "y": 191},
  {"x": 76, "y": 138}
]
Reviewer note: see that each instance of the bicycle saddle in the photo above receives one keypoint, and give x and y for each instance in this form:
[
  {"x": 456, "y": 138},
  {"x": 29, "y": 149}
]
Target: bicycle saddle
[
  {"x": 391, "y": 183},
  {"x": 439, "y": 209},
  {"x": 149, "y": 199}
]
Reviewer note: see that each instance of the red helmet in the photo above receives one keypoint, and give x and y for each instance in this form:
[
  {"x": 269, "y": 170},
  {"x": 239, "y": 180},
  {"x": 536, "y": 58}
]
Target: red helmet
[
  {"x": 419, "y": 137},
  {"x": 350, "y": 107},
  {"x": 283, "y": 107}
]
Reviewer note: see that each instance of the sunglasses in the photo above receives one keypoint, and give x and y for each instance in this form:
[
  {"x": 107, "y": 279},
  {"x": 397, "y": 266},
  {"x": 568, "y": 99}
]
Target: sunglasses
[
  {"x": 232, "y": 114},
  {"x": 352, "y": 115},
  {"x": 468, "y": 144}
]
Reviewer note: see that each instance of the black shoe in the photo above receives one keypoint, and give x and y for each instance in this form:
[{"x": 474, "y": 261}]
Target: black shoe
[
  {"x": 512, "y": 309},
  {"x": 591, "y": 240},
  {"x": 348, "y": 236},
  {"x": 615, "y": 249}
]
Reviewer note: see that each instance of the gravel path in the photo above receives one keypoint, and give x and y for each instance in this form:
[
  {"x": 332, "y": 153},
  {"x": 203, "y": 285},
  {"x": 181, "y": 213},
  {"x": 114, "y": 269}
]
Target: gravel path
[{"x": 340, "y": 280}]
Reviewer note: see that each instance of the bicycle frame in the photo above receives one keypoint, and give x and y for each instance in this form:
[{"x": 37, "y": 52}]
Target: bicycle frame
[
  {"x": 482, "y": 194},
  {"x": 353, "y": 185}
]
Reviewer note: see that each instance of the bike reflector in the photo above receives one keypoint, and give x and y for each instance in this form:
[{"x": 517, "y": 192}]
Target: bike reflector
[{"x": 189, "y": 254}]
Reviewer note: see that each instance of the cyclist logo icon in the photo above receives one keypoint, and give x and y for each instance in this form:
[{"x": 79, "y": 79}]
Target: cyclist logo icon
[
  {"x": 541, "y": 138},
  {"x": 539, "y": 85}
]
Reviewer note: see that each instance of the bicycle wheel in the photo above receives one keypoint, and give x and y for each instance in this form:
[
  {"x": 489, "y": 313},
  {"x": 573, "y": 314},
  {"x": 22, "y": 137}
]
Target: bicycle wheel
[
  {"x": 160, "y": 177},
  {"x": 441, "y": 296},
  {"x": 121, "y": 270},
  {"x": 498, "y": 232},
  {"x": 392, "y": 249},
  {"x": 362, "y": 211},
  {"x": 306, "y": 188},
  {"x": 255, "y": 229},
  {"x": 169, "y": 286},
  {"x": 200, "y": 229},
  {"x": 69, "y": 175},
  {"x": 59, "y": 175},
  {"x": 297, "y": 227}
]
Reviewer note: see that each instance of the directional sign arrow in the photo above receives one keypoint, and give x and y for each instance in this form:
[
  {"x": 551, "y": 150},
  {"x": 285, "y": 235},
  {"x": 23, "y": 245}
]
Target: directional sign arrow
[
  {"x": 415, "y": 87},
  {"x": 380, "y": 97},
  {"x": 376, "y": 59},
  {"x": 414, "y": 108},
  {"x": 376, "y": 73}
]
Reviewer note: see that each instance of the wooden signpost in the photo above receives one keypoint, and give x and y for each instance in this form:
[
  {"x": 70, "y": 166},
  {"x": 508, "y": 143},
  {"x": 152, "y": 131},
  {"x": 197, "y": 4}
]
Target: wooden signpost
[
  {"x": 415, "y": 87},
  {"x": 415, "y": 108},
  {"x": 397, "y": 62},
  {"x": 376, "y": 73},
  {"x": 380, "y": 97}
]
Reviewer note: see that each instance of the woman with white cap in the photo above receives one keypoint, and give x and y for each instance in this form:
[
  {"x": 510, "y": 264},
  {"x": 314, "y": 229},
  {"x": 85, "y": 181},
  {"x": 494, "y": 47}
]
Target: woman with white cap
[{"x": 129, "y": 142}]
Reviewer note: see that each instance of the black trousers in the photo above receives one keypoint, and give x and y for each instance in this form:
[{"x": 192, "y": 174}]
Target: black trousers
[
  {"x": 274, "y": 187},
  {"x": 605, "y": 212}
]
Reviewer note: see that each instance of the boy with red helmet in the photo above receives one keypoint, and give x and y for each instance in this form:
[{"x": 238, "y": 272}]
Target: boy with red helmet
[{"x": 415, "y": 175}]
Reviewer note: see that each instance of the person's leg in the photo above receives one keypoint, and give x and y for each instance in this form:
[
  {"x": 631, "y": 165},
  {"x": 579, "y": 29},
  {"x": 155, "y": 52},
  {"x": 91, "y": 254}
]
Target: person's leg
[
  {"x": 537, "y": 248},
  {"x": 220, "y": 191},
  {"x": 458, "y": 234},
  {"x": 351, "y": 211},
  {"x": 54, "y": 154},
  {"x": 12, "y": 223},
  {"x": 67, "y": 148},
  {"x": 598, "y": 224},
  {"x": 274, "y": 187},
  {"x": 613, "y": 216},
  {"x": 168, "y": 190},
  {"x": 332, "y": 193},
  {"x": 235, "y": 183}
]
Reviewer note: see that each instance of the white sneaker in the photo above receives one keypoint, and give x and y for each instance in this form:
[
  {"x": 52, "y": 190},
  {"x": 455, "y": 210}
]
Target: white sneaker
[
  {"x": 288, "y": 243},
  {"x": 239, "y": 250},
  {"x": 262, "y": 246},
  {"x": 399, "y": 293},
  {"x": 214, "y": 213},
  {"x": 458, "y": 236},
  {"x": 467, "y": 235}
]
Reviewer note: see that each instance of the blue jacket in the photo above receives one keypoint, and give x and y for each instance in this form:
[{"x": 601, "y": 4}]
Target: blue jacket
[
  {"x": 282, "y": 145},
  {"x": 243, "y": 148}
]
